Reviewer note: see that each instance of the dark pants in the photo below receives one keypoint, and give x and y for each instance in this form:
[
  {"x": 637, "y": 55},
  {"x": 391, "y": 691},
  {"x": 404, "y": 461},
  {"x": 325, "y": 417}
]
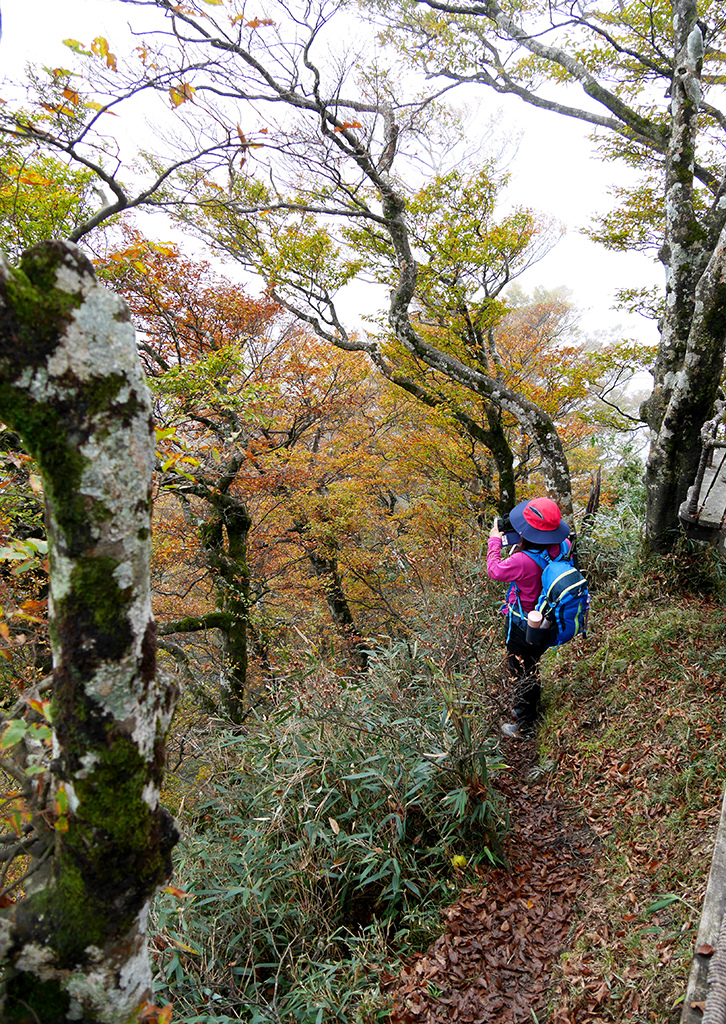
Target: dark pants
[{"x": 523, "y": 661}]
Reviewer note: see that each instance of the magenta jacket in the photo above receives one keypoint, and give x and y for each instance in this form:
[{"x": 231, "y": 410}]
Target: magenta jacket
[{"x": 518, "y": 568}]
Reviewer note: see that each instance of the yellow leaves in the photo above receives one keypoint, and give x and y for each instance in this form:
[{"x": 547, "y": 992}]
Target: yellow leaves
[
  {"x": 181, "y": 93},
  {"x": 134, "y": 255},
  {"x": 77, "y": 47},
  {"x": 178, "y": 944},
  {"x": 173, "y": 463},
  {"x": 99, "y": 46}
]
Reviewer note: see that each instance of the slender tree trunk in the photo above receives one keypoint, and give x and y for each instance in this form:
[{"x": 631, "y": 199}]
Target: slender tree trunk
[
  {"x": 71, "y": 385},
  {"x": 325, "y": 567},
  {"x": 228, "y": 563},
  {"x": 500, "y": 448}
]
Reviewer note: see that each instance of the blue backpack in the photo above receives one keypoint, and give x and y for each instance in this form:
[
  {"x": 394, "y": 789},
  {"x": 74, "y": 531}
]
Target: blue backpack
[{"x": 564, "y": 598}]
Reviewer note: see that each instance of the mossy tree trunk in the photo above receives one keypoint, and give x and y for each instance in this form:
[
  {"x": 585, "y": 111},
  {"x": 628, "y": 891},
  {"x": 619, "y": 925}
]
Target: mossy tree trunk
[
  {"x": 324, "y": 561},
  {"x": 223, "y": 534},
  {"x": 687, "y": 371},
  {"x": 228, "y": 562},
  {"x": 71, "y": 385}
]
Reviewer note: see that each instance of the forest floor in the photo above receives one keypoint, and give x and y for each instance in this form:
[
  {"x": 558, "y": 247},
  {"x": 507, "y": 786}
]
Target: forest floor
[{"x": 613, "y": 810}]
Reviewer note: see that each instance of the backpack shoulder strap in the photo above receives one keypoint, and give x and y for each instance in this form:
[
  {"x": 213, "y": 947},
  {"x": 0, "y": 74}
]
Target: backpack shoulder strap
[{"x": 540, "y": 557}]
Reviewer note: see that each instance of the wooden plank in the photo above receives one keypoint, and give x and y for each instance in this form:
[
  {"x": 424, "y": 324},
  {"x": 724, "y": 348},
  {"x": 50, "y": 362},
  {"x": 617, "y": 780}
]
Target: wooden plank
[{"x": 712, "y": 915}]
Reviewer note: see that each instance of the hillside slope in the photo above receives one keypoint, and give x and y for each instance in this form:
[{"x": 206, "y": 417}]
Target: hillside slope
[{"x": 614, "y": 812}]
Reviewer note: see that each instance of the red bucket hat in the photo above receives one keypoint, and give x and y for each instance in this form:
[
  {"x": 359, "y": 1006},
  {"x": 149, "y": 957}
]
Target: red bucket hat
[{"x": 539, "y": 520}]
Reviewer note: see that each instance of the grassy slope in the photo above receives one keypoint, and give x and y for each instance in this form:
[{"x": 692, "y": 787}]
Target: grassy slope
[{"x": 634, "y": 737}]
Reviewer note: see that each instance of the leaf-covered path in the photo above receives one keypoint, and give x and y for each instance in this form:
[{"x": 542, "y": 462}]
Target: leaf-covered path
[{"x": 494, "y": 960}]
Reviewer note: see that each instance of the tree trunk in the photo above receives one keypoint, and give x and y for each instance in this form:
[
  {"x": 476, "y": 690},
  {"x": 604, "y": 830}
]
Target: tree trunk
[
  {"x": 326, "y": 569},
  {"x": 325, "y": 566},
  {"x": 494, "y": 438},
  {"x": 534, "y": 421},
  {"x": 693, "y": 330},
  {"x": 231, "y": 576},
  {"x": 71, "y": 385}
]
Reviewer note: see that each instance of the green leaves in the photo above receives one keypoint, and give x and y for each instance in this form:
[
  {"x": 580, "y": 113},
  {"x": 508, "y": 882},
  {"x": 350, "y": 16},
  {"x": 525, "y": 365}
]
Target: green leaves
[
  {"x": 28, "y": 554},
  {"x": 16, "y": 730},
  {"x": 77, "y": 47},
  {"x": 661, "y": 903}
]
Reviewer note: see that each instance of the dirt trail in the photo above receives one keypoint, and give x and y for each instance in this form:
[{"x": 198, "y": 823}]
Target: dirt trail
[{"x": 494, "y": 960}]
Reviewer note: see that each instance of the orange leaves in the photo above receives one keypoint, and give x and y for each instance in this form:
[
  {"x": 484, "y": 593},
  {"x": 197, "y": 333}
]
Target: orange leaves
[
  {"x": 254, "y": 24},
  {"x": 181, "y": 93},
  {"x": 180, "y": 894},
  {"x": 348, "y": 124},
  {"x": 71, "y": 95},
  {"x": 147, "y": 1013}
]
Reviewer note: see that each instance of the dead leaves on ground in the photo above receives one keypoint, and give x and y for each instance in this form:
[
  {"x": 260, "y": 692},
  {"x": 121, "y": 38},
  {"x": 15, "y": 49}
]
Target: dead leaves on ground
[{"x": 494, "y": 959}]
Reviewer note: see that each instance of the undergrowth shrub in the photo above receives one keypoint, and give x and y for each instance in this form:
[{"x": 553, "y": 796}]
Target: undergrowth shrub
[
  {"x": 613, "y": 540},
  {"x": 614, "y": 557},
  {"x": 325, "y": 846}
]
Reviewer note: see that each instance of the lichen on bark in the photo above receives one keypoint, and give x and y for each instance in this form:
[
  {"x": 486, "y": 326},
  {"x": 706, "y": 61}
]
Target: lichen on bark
[{"x": 72, "y": 386}]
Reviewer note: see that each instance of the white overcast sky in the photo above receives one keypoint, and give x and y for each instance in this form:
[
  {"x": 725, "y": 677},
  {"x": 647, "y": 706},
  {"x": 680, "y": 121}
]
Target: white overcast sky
[{"x": 553, "y": 171}]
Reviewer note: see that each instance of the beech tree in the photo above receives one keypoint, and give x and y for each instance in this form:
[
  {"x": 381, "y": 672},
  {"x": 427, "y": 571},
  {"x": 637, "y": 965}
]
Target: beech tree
[
  {"x": 328, "y": 156},
  {"x": 248, "y": 405},
  {"x": 86, "y": 815},
  {"x": 342, "y": 147},
  {"x": 199, "y": 339},
  {"x": 650, "y": 74}
]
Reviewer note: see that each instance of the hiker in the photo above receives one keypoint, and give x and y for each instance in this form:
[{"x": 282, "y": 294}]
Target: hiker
[{"x": 533, "y": 525}]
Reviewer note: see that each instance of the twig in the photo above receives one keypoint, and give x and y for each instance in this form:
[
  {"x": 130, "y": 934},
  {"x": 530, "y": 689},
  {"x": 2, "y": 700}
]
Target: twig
[
  {"x": 31, "y": 871},
  {"x": 16, "y": 773}
]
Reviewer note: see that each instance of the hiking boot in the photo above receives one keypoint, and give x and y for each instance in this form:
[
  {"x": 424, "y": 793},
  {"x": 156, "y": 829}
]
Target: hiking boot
[{"x": 517, "y": 731}]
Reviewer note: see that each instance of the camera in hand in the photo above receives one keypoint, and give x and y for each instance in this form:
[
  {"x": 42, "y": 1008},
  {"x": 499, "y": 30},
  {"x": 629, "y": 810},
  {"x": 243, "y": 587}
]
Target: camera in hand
[{"x": 509, "y": 534}]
